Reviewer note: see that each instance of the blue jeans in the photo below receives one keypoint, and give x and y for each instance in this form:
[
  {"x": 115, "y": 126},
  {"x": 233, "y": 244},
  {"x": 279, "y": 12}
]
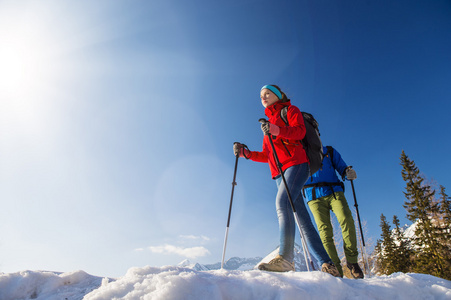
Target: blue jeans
[{"x": 296, "y": 176}]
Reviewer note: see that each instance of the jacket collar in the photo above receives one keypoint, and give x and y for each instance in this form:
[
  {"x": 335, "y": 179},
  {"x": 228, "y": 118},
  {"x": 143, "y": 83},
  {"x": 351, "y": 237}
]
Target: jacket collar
[{"x": 276, "y": 108}]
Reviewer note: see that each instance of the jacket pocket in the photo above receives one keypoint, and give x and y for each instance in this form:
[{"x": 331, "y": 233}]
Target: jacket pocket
[{"x": 287, "y": 152}]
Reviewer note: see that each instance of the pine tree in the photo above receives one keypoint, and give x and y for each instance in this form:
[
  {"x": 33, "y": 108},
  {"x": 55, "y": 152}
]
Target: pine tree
[
  {"x": 421, "y": 208},
  {"x": 403, "y": 252},
  {"x": 445, "y": 212},
  {"x": 445, "y": 227},
  {"x": 384, "y": 249},
  {"x": 418, "y": 196}
]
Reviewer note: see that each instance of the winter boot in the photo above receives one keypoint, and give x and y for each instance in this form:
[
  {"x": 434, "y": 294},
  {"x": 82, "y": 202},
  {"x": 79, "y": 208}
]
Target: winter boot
[
  {"x": 354, "y": 271},
  {"x": 277, "y": 264},
  {"x": 331, "y": 269}
]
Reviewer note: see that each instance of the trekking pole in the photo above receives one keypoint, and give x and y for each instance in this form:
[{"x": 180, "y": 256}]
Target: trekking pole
[
  {"x": 308, "y": 261},
  {"x": 357, "y": 210},
  {"x": 230, "y": 211},
  {"x": 365, "y": 260}
]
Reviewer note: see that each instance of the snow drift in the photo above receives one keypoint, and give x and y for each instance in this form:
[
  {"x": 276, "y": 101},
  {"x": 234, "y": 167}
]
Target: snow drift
[{"x": 173, "y": 282}]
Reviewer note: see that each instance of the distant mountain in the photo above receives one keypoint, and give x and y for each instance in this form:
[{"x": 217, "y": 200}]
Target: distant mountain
[
  {"x": 234, "y": 263},
  {"x": 195, "y": 266},
  {"x": 409, "y": 230},
  {"x": 244, "y": 264}
]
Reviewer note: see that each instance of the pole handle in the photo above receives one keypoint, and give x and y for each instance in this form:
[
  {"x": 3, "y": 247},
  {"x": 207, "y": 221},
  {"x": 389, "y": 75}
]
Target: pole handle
[{"x": 237, "y": 155}]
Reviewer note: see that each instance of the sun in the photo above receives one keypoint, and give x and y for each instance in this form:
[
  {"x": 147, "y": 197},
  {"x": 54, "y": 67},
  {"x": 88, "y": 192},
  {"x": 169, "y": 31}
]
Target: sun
[
  {"x": 31, "y": 66},
  {"x": 24, "y": 57}
]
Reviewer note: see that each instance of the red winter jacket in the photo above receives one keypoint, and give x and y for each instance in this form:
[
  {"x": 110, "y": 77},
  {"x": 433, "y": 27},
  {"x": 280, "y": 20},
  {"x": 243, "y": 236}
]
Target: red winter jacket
[{"x": 287, "y": 144}]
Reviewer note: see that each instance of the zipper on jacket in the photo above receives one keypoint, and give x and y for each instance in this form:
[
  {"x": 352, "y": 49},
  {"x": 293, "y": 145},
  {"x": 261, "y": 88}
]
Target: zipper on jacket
[{"x": 286, "y": 149}]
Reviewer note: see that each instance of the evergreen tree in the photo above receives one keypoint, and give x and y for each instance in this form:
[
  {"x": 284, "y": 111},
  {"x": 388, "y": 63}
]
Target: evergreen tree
[
  {"x": 445, "y": 227},
  {"x": 420, "y": 206},
  {"x": 378, "y": 259},
  {"x": 445, "y": 212},
  {"x": 384, "y": 249},
  {"x": 418, "y": 196},
  {"x": 402, "y": 252}
]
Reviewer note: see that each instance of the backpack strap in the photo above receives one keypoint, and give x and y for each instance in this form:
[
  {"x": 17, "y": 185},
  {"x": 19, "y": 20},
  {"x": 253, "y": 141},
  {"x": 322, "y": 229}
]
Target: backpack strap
[
  {"x": 330, "y": 151},
  {"x": 283, "y": 114}
]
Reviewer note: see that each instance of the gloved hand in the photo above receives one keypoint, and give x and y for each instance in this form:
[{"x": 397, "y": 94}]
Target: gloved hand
[
  {"x": 269, "y": 128},
  {"x": 350, "y": 173},
  {"x": 241, "y": 150}
]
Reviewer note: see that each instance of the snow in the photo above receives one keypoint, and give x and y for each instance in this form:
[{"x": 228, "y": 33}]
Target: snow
[
  {"x": 175, "y": 282},
  {"x": 47, "y": 285}
]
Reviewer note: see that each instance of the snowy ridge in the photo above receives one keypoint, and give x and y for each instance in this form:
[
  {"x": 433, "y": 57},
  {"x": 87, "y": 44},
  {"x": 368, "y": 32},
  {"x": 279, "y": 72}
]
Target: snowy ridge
[
  {"x": 234, "y": 263},
  {"x": 48, "y": 285},
  {"x": 238, "y": 280},
  {"x": 409, "y": 230},
  {"x": 173, "y": 282}
]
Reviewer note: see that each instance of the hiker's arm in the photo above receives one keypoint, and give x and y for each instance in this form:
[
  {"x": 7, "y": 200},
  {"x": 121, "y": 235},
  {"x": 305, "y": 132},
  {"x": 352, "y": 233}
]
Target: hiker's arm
[
  {"x": 338, "y": 163},
  {"x": 260, "y": 156}
]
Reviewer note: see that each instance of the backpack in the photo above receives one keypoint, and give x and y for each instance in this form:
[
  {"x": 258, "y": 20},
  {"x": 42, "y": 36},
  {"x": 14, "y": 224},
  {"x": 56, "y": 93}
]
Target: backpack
[
  {"x": 330, "y": 153},
  {"x": 311, "y": 142}
]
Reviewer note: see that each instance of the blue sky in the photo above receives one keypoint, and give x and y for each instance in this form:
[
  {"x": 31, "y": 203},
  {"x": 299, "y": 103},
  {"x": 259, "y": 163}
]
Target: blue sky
[{"x": 117, "y": 120}]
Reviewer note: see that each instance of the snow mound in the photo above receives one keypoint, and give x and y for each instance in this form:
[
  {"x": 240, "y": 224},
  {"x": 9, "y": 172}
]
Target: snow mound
[
  {"x": 181, "y": 283},
  {"x": 47, "y": 285}
]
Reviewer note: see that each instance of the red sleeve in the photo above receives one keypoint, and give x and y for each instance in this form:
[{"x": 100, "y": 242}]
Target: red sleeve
[
  {"x": 260, "y": 156},
  {"x": 296, "y": 127}
]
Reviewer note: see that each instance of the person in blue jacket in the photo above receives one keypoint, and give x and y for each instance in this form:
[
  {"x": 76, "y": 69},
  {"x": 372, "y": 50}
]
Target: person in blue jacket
[{"x": 324, "y": 192}]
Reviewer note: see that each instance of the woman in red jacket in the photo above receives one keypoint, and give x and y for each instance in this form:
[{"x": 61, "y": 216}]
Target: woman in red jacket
[{"x": 295, "y": 166}]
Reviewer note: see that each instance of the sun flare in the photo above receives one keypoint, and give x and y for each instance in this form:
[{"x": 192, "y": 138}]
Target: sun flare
[{"x": 24, "y": 58}]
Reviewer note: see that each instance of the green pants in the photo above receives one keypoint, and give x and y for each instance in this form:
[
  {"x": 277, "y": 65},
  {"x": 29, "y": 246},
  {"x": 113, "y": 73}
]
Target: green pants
[{"x": 321, "y": 208}]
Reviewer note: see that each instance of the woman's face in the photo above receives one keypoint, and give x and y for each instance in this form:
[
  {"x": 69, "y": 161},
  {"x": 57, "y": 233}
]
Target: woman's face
[{"x": 268, "y": 97}]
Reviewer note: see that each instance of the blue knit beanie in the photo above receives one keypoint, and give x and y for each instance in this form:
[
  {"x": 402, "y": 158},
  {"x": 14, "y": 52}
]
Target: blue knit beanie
[{"x": 274, "y": 90}]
